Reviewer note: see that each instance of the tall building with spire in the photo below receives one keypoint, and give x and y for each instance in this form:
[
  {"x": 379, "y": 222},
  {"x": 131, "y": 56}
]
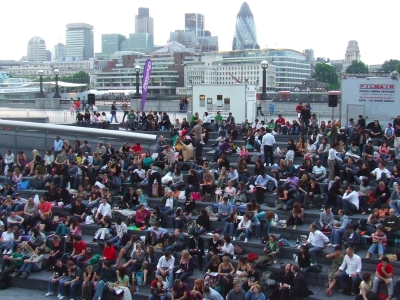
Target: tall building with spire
[
  {"x": 143, "y": 21},
  {"x": 245, "y": 36},
  {"x": 352, "y": 53}
]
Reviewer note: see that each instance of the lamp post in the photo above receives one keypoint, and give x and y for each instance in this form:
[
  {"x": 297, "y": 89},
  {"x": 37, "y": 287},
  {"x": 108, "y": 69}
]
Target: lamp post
[
  {"x": 41, "y": 93},
  {"x": 57, "y": 94},
  {"x": 137, "y": 95},
  {"x": 264, "y": 66}
]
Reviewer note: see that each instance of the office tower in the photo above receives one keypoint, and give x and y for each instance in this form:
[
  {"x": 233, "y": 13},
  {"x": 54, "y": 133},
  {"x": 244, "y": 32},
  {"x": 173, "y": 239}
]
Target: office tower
[
  {"x": 143, "y": 21},
  {"x": 58, "y": 52},
  {"x": 80, "y": 44},
  {"x": 111, "y": 43},
  {"x": 195, "y": 23},
  {"x": 245, "y": 36},
  {"x": 37, "y": 49}
]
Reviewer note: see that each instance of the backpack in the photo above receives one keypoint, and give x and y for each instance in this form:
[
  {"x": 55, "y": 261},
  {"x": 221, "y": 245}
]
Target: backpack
[{"x": 4, "y": 280}]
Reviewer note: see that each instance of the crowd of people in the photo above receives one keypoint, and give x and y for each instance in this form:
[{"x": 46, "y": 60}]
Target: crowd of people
[{"x": 97, "y": 174}]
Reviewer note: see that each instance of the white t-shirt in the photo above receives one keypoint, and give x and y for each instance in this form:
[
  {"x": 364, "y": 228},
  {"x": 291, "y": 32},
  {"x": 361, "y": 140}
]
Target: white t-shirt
[
  {"x": 7, "y": 236},
  {"x": 121, "y": 229},
  {"x": 169, "y": 202}
]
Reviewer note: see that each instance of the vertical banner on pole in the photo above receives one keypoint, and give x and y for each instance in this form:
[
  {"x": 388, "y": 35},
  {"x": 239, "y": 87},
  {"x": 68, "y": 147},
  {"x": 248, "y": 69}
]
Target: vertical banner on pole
[{"x": 145, "y": 81}]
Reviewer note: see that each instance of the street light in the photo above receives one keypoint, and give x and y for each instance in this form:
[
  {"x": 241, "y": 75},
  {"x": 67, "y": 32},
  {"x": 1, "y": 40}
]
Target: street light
[
  {"x": 57, "y": 94},
  {"x": 137, "y": 95},
  {"x": 264, "y": 66},
  {"x": 41, "y": 93}
]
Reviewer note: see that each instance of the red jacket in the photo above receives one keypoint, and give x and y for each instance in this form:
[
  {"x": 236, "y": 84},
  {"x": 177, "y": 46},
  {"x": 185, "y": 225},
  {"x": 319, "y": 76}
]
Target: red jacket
[{"x": 109, "y": 253}]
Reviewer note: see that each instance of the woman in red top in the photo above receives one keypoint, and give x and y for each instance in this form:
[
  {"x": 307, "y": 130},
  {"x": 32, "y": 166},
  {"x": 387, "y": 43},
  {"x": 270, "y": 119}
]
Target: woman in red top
[
  {"x": 141, "y": 215},
  {"x": 136, "y": 148},
  {"x": 109, "y": 255}
]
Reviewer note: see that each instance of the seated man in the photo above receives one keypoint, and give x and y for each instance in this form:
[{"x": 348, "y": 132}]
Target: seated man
[
  {"x": 45, "y": 212},
  {"x": 177, "y": 241},
  {"x": 156, "y": 235},
  {"x": 349, "y": 170},
  {"x": 224, "y": 210},
  {"x": 391, "y": 224},
  {"x": 350, "y": 201},
  {"x": 94, "y": 198},
  {"x": 349, "y": 271},
  {"x": 104, "y": 210},
  {"x": 168, "y": 203},
  {"x": 14, "y": 220},
  {"x": 107, "y": 275},
  {"x": 319, "y": 171},
  {"x": 351, "y": 238},
  {"x": 78, "y": 211},
  {"x": 196, "y": 247},
  {"x": 323, "y": 151},
  {"x": 214, "y": 246},
  {"x": 384, "y": 272},
  {"x": 338, "y": 229},
  {"x": 79, "y": 251},
  {"x": 253, "y": 277},
  {"x": 326, "y": 220},
  {"x": 165, "y": 267},
  {"x": 316, "y": 242}
]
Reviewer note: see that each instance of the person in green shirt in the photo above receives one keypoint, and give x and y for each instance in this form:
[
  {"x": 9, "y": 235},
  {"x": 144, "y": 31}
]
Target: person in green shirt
[
  {"x": 217, "y": 120},
  {"x": 193, "y": 120},
  {"x": 130, "y": 120},
  {"x": 14, "y": 262},
  {"x": 245, "y": 126}
]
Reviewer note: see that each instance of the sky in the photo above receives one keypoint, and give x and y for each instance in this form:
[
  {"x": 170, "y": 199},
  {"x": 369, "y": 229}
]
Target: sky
[{"x": 325, "y": 26}]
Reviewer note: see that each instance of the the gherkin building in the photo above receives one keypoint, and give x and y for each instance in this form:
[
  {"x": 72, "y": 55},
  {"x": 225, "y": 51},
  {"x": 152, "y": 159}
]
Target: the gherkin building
[{"x": 245, "y": 36}]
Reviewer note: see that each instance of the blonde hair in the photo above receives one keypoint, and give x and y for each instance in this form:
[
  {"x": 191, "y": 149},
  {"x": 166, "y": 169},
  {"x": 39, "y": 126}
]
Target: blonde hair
[
  {"x": 186, "y": 255},
  {"x": 139, "y": 191}
]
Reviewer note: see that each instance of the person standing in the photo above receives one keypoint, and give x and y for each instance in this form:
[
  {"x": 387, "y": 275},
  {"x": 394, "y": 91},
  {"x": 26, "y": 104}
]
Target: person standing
[
  {"x": 332, "y": 157},
  {"x": 114, "y": 112},
  {"x": 267, "y": 144},
  {"x": 84, "y": 103},
  {"x": 259, "y": 107},
  {"x": 198, "y": 130},
  {"x": 125, "y": 108},
  {"x": 57, "y": 146}
]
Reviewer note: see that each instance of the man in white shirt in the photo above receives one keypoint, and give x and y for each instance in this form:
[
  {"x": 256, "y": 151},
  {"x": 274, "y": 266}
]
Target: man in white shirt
[
  {"x": 316, "y": 242},
  {"x": 350, "y": 201},
  {"x": 120, "y": 228},
  {"x": 138, "y": 174},
  {"x": 381, "y": 174},
  {"x": 103, "y": 210},
  {"x": 57, "y": 145},
  {"x": 331, "y": 160},
  {"x": 267, "y": 145},
  {"x": 349, "y": 270},
  {"x": 233, "y": 176},
  {"x": 6, "y": 240},
  {"x": 319, "y": 171},
  {"x": 165, "y": 267}
]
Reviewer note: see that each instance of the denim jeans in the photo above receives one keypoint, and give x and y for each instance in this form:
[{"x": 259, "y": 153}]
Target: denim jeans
[
  {"x": 79, "y": 259},
  {"x": 201, "y": 230},
  {"x": 222, "y": 217},
  {"x": 379, "y": 246},
  {"x": 348, "y": 206},
  {"x": 389, "y": 286},
  {"x": 50, "y": 286},
  {"x": 183, "y": 276},
  {"x": 395, "y": 204},
  {"x": 199, "y": 149},
  {"x": 30, "y": 267},
  {"x": 170, "y": 278},
  {"x": 165, "y": 210},
  {"x": 336, "y": 236},
  {"x": 101, "y": 286},
  {"x": 229, "y": 228},
  {"x": 114, "y": 116},
  {"x": 72, "y": 286},
  {"x": 313, "y": 250},
  {"x": 245, "y": 230}
]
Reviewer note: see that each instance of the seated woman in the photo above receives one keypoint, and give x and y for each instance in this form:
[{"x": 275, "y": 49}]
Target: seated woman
[
  {"x": 252, "y": 209},
  {"x": 227, "y": 248},
  {"x": 177, "y": 182},
  {"x": 190, "y": 205},
  {"x": 36, "y": 240},
  {"x": 379, "y": 242},
  {"x": 231, "y": 224},
  {"x": 285, "y": 197},
  {"x": 192, "y": 182},
  {"x": 123, "y": 283},
  {"x": 271, "y": 250},
  {"x": 179, "y": 220},
  {"x": 263, "y": 223},
  {"x": 297, "y": 216},
  {"x": 109, "y": 255},
  {"x": 226, "y": 272},
  {"x": 32, "y": 264},
  {"x": 105, "y": 232},
  {"x": 149, "y": 263},
  {"x": 365, "y": 286},
  {"x": 295, "y": 128},
  {"x": 229, "y": 192},
  {"x": 197, "y": 292},
  {"x": 130, "y": 200},
  {"x": 210, "y": 278},
  {"x": 186, "y": 266},
  {"x": 285, "y": 276},
  {"x": 303, "y": 259},
  {"x": 137, "y": 260},
  {"x": 89, "y": 282},
  {"x": 305, "y": 168},
  {"x": 394, "y": 176},
  {"x": 300, "y": 147},
  {"x": 384, "y": 151},
  {"x": 337, "y": 259},
  {"x": 241, "y": 193},
  {"x": 63, "y": 228},
  {"x": 147, "y": 160},
  {"x": 255, "y": 293},
  {"x": 376, "y": 130},
  {"x": 202, "y": 222},
  {"x": 241, "y": 271},
  {"x": 244, "y": 226},
  {"x": 311, "y": 150}
]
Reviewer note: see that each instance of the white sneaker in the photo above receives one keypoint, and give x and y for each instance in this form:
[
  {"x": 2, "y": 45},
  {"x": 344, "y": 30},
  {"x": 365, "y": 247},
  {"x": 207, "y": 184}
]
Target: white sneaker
[
  {"x": 311, "y": 264},
  {"x": 234, "y": 238},
  {"x": 61, "y": 297},
  {"x": 330, "y": 245},
  {"x": 202, "y": 143},
  {"x": 5, "y": 251},
  {"x": 49, "y": 294},
  {"x": 10, "y": 252},
  {"x": 245, "y": 240}
]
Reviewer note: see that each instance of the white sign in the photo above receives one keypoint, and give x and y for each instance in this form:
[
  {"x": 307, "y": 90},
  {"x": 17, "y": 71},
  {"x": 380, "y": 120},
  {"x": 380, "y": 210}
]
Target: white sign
[
  {"x": 251, "y": 93},
  {"x": 19, "y": 90},
  {"x": 376, "y": 93}
]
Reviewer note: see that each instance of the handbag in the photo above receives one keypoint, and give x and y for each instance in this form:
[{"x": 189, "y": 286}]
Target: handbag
[
  {"x": 196, "y": 196},
  {"x": 238, "y": 250},
  {"x": 23, "y": 185},
  {"x": 252, "y": 257}
]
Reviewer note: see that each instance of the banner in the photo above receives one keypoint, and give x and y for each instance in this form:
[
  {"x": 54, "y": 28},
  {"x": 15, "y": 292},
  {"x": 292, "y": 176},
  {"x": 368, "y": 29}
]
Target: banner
[{"x": 145, "y": 81}]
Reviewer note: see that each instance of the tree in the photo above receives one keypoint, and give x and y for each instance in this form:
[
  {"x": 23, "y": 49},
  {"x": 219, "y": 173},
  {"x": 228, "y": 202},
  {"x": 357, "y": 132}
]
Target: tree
[
  {"x": 79, "y": 77},
  {"x": 357, "y": 67},
  {"x": 390, "y": 65},
  {"x": 327, "y": 74}
]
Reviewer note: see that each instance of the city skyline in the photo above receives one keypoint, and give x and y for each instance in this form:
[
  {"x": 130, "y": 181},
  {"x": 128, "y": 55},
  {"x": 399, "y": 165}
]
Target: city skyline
[{"x": 292, "y": 24}]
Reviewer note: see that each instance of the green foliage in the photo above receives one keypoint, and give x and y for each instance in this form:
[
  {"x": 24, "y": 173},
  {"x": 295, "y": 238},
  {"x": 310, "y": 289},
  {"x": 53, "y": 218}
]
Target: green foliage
[
  {"x": 398, "y": 67},
  {"x": 390, "y": 65},
  {"x": 326, "y": 73},
  {"x": 357, "y": 67},
  {"x": 79, "y": 77}
]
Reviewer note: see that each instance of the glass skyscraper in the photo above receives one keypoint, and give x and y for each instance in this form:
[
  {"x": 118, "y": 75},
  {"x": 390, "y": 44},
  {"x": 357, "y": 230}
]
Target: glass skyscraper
[{"x": 245, "y": 36}]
